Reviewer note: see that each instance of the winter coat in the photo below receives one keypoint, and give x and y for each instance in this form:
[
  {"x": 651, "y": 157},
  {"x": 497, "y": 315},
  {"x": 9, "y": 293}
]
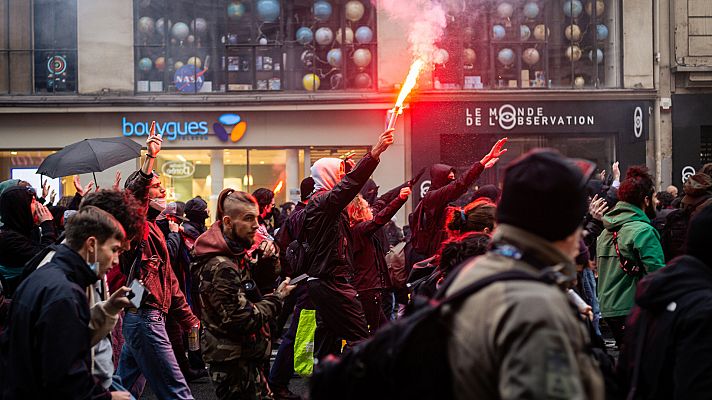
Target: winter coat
[
  {"x": 46, "y": 350},
  {"x": 17, "y": 245},
  {"x": 637, "y": 240},
  {"x": 676, "y": 304},
  {"x": 370, "y": 267},
  {"x": 326, "y": 224},
  {"x": 428, "y": 225},
  {"x": 233, "y": 316},
  {"x": 165, "y": 294},
  {"x": 520, "y": 339}
]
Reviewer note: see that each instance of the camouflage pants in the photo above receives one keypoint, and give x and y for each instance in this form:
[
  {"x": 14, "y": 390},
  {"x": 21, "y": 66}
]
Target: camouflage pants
[{"x": 239, "y": 380}]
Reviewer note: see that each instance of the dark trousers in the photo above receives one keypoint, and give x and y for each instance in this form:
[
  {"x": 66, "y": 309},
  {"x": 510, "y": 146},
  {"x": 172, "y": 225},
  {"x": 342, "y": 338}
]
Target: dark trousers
[
  {"x": 339, "y": 312},
  {"x": 617, "y": 326},
  {"x": 287, "y": 308},
  {"x": 283, "y": 366},
  {"x": 372, "y": 302}
]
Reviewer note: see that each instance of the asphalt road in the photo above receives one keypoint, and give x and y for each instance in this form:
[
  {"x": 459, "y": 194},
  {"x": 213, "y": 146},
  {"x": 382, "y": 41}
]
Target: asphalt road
[{"x": 203, "y": 389}]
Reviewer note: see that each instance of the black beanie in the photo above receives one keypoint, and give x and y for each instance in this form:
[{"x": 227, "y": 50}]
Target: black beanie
[
  {"x": 699, "y": 239},
  {"x": 545, "y": 193}
]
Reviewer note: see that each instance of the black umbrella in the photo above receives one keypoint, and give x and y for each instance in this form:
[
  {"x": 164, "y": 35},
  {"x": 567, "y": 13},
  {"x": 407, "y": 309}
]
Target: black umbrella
[{"x": 89, "y": 155}]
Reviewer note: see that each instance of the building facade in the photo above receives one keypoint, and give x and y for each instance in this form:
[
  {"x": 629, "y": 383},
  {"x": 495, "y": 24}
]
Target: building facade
[{"x": 248, "y": 93}]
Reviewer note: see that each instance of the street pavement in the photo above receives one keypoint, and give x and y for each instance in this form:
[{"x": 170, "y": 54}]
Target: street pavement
[{"x": 203, "y": 389}]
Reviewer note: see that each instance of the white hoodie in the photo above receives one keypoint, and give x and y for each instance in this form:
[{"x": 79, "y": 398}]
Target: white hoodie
[{"x": 325, "y": 172}]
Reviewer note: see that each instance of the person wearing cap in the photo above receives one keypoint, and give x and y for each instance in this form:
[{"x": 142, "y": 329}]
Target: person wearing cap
[
  {"x": 196, "y": 212},
  {"x": 670, "y": 320},
  {"x": 147, "y": 351},
  {"x": 519, "y": 338},
  {"x": 698, "y": 195},
  {"x": 637, "y": 242}
]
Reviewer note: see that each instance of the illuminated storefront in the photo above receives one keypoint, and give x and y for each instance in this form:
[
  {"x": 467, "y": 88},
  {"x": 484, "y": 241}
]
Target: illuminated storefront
[{"x": 206, "y": 151}]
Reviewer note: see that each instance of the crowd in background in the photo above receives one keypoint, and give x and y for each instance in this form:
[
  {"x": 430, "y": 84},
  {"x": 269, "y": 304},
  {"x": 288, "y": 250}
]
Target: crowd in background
[{"x": 114, "y": 288}]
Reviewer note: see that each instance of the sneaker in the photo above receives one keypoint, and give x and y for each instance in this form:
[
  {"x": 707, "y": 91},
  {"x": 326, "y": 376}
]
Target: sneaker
[{"x": 283, "y": 393}]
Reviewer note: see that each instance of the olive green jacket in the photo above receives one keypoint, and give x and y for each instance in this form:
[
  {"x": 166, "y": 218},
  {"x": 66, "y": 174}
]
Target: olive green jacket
[{"x": 520, "y": 339}]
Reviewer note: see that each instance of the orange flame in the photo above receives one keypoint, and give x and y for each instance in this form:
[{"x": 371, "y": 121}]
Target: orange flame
[
  {"x": 410, "y": 82},
  {"x": 278, "y": 188}
]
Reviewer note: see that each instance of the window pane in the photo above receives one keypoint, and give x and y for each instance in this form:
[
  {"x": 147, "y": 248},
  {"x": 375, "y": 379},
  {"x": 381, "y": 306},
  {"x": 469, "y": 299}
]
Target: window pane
[
  {"x": 248, "y": 45},
  {"x": 529, "y": 44},
  {"x": 55, "y": 44}
]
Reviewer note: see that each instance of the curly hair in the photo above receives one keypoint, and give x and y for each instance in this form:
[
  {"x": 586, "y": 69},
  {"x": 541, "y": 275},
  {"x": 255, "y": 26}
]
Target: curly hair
[
  {"x": 123, "y": 206},
  {"x": 638, "y": 185},
  {"x": 359, "y": 210},
  {"x": 456, "y": 250},
  {"x": 92, "y": 221}
]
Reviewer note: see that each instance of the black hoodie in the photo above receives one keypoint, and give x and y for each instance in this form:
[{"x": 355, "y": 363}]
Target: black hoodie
[
  {"x": 675, "y": 304},
  {"x": 16, "y": 243},
  {"x": 428, "y": 224}
]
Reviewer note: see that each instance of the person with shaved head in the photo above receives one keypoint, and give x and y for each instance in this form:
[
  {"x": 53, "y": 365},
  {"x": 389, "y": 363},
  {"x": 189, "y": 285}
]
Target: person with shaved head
[{"x": 234, "y": 313}]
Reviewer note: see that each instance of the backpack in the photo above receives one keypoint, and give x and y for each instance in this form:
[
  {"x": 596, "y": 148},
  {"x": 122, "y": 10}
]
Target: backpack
[
  {"x": 420, "y": 231},
  {"x": 405, "y": 360},
  {"x": 674, "y": 233},
  {"x": 296, "y": 252},
  {"x": 396, "y": 266}
]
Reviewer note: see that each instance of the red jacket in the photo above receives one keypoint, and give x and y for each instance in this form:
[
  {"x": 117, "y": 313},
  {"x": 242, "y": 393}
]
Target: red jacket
[{"x": 166, "y": 295}]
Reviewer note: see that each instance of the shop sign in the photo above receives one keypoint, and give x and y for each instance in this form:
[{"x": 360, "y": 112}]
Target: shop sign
[
  {"x": 529, "y": 117},
  {"x": 169, "y": 130},
  {"x": 178, "y": 169},
  {"x": 508, "y": 117},
  {"x": 228, "y": 128}
]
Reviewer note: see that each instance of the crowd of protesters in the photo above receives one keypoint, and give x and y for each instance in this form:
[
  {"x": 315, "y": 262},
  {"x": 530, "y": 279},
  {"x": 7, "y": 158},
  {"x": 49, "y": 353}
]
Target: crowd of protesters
[{"x": 112, "y": 289}]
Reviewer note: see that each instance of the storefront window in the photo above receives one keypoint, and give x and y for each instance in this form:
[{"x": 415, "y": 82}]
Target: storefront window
[
  {"x": 40, "y": 37},
  {"x": 254, "y": 45},
  {"x": 530, "y": 44},
  {"x": 23, "y": 165}
]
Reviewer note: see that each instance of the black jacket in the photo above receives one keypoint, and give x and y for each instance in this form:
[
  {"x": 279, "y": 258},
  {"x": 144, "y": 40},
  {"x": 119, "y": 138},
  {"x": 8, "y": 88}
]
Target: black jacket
[
  {"x": 45, "y": 351},
  {"x": 371, "y": 269},
  {"x": 17, "y": 245},
  {"x": 675, "y": 303},
  {"x": 428, "y": 224},
  {"x": 326, "y": 225}
]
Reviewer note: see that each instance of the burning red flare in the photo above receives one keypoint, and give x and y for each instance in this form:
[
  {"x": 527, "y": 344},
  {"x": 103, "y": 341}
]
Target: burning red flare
[
  {"x": 408, "y": 85},
  {"x": 278, "y": 188}
]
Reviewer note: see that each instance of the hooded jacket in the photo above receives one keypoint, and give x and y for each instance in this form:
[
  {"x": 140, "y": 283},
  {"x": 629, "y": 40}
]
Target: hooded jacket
[
  {"x": 47, "y": 347},
  {"x": 428, "y": 225},
  {"x": 326, "y": 224},
  {"x": 676, "y": 362},
  {"x": 637, "y": 240},
  {"x": 520, "y": 339},
  {"x": 234, "y": 317},
  {"x": 16, "y": 243},
  {"x": 161, "y": 282}
]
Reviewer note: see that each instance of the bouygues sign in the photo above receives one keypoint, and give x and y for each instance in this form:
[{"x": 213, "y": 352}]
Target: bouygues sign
[{"x": 227, "y": 128}]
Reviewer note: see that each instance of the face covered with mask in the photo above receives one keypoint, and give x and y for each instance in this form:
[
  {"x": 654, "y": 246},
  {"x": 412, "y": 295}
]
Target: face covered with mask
[
  {"x": 101, "y": 257},
  {"x": 157, "y": 195}
]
